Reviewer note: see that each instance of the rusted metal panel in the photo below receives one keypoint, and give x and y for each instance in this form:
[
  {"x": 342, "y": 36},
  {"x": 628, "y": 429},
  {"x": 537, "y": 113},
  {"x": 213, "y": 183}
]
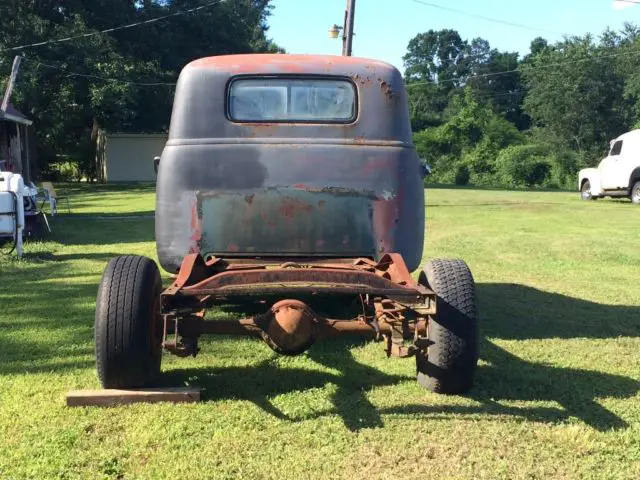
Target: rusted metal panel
[
  {"x": 217, "y": 279},
  {"x": 303, "y": 199},
  {"x": 286, "y": 220}
]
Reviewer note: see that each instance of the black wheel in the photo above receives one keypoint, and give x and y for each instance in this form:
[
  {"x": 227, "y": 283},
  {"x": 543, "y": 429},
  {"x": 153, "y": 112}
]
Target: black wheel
[
  {"x": 449, "y": 363},
  {"x": 635, "y": 193},
  {"x": 128, "y": 328},
  {"x": 585, "y": 191}
]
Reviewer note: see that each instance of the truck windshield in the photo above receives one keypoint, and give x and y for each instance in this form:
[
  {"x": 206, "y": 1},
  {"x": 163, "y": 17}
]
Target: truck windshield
[{"x": 292, "y": 100}]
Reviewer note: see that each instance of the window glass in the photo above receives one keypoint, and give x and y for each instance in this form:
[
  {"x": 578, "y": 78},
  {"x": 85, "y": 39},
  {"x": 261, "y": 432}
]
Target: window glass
[
  {"x": 291, "y": 100},
  {"x": 616, "y": 149}
]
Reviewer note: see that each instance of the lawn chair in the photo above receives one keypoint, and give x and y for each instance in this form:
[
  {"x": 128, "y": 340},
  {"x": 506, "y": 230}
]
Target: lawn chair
[{"x": 50, "y": 195}]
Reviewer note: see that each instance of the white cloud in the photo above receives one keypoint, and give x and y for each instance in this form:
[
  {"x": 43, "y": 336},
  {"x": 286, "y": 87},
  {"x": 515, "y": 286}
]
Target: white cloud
[{"x": 619, "y": 5}]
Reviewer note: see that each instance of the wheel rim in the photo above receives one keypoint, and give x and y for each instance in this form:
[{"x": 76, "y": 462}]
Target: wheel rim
[
  {"x": 636, "y": 193},
  {"x": 586, "y": 190}
]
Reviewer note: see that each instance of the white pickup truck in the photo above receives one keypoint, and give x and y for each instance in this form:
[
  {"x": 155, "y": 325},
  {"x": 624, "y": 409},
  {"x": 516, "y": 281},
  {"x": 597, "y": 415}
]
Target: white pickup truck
[{"x": 618, "y": 175}]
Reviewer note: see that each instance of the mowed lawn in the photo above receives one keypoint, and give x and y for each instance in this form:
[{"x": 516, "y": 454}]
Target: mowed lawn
[{"x": 557, "y": 392}]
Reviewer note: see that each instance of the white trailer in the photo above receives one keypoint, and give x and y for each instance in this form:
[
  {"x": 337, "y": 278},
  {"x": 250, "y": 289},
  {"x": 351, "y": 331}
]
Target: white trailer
[{"x": 12, "y": 192}]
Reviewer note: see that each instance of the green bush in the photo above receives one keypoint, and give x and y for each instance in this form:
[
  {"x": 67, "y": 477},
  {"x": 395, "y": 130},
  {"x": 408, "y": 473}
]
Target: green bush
[
  {"x": 536, "y": 165},
  {"x": 462, "y": 175},
  {"x": 464, "y": 149},
  {"x": 564, "y": 169},
  {"x": 523, "y": 166},
  {"x": 66, "y": 171}
]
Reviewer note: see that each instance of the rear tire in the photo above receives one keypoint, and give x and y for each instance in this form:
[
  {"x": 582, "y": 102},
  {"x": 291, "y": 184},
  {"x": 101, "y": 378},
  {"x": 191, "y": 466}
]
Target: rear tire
[
  {"x": 449, "y": 363},
  {"x": 128, "y": 328},
  {"x": 635, "y": 193}
]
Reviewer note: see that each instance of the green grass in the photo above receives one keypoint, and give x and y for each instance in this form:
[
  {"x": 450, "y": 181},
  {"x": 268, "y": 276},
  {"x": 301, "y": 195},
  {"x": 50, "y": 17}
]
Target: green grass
[{"x": 557, "y": 393}]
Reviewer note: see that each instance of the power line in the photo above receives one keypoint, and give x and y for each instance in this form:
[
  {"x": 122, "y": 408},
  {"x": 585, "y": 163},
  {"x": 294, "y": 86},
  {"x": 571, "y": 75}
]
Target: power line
[
  {"x": 114, "y": 29},
  {"x": 489, "y": 19},
  {"x": 507, "y": 72},
  {"x": 105, "y": 79}
]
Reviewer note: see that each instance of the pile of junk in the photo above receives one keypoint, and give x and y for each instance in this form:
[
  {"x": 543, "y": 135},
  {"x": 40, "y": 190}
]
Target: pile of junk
[{"x": 20, "y": 217}]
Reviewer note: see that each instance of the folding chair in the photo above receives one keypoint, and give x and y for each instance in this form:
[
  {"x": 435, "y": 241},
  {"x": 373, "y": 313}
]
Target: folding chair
[{"x": 51, "y": 196}]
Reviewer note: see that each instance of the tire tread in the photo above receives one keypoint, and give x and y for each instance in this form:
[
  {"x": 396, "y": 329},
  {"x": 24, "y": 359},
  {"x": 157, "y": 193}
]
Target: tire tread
[
  {"x": 122, "y": 324},
  {"x": 450, "y": 361}
]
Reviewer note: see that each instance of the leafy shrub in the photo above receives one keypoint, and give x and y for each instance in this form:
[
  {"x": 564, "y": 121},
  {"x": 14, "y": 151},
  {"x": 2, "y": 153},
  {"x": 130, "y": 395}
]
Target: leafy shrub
[
  {"x": 462, "y": 175},
  {"x": 524, "y": 165},
  {"x": 66, "y": 171}
]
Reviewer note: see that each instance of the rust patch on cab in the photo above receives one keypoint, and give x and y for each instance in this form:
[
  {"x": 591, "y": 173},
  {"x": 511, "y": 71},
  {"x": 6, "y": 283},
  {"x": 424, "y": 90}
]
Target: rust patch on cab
[{"x": 290, "y": 207}]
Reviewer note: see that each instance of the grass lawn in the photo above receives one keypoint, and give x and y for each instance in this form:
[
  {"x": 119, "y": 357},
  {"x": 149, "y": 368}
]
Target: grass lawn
[{"x": 557, "y": 392}]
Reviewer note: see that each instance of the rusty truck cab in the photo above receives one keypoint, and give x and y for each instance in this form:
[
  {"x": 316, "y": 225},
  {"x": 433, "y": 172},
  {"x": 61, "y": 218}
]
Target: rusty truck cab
[
  {"x": 289, "y": 156},
  {"x": 290, "y": 184}
]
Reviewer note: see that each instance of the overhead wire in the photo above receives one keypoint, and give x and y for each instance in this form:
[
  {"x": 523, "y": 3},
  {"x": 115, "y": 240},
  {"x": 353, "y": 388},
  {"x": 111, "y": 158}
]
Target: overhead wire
[
  {"x": 113, "y": 29},
  {"x": 489, "y": 19},
  {"x": 105, "y": 79},
  {"x": 549, "y": 65}
]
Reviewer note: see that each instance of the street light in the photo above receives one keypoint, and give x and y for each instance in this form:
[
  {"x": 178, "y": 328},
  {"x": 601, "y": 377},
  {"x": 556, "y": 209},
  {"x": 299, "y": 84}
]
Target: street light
[
  {"x": 347, "y": 37},
  {"x": 334, "y": 31}
]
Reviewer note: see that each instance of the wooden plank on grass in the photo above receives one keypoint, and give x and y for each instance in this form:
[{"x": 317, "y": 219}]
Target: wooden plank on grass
[{"x": 112, "y": 397}]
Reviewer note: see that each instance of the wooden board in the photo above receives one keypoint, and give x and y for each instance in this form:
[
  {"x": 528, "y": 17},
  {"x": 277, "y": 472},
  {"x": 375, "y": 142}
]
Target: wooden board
[{"x": 112, "y": 397}]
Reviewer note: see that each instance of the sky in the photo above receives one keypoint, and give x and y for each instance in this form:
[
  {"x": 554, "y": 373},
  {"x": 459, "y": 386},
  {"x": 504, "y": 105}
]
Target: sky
[{"x": 383, "y": 28}]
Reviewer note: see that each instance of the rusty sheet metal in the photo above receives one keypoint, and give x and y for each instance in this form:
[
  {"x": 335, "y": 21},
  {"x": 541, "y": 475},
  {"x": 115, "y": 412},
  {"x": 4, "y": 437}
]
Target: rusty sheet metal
[
  {"x": 200, "y": 283},
  {"x": 327, "y": 205},
  {"x": 278, "y": 63},
  {"x": 280, "y": 281},
  {"x": 289, "y": 221}
]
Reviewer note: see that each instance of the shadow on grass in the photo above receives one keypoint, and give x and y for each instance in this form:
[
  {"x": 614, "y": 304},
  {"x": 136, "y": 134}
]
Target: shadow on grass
[
  {"x": 98, "y": 189},
  {"x": 28, "y": 357},
  {"x": 136, "y": 227},
  {"x": 517, "y": 312},
  {"x": 44, "y": 327},
  {"x": 509, "y": 312},
  {"x": 257, "y": 383},
  {"x": 106, "y": 216},
  {"x": 103, "y": 257}
]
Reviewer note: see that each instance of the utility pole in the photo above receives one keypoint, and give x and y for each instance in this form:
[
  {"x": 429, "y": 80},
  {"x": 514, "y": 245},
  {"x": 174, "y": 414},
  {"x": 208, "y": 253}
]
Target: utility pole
[
  {"x": 11, "y": 83},
  {"x": 347, "y": 38}
]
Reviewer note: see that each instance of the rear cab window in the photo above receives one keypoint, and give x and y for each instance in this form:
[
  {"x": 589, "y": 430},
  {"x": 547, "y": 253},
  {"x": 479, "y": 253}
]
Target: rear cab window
[{"x": 292, "y": 100}]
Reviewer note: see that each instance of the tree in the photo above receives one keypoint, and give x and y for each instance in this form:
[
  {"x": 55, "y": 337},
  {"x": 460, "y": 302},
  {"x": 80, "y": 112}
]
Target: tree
[
  {"x": 575, "y": 92},
  {"x": 466, "y": 146},
  {"x": 499, "y": 82},
  {"x": 439, "y": 63},
  {"x": 437, "y": 57}
]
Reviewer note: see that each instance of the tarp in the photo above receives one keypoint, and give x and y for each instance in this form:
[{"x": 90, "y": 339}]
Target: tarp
[{"x": 13, "y": 115}]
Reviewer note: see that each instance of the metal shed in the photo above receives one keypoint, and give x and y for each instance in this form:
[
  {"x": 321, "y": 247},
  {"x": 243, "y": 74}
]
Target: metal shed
[{"x": 128, "y": 157}]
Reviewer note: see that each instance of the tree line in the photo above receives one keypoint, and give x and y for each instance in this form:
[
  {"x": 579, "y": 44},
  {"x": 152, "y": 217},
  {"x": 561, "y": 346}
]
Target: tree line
[{"x": 488, "y": 117}]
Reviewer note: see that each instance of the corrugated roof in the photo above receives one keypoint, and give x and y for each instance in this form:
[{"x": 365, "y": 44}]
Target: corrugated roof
[{"x": 13, "y": 115}]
